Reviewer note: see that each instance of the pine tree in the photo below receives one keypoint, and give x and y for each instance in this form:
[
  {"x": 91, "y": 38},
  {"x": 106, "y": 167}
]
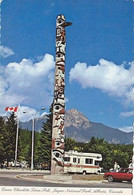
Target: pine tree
[
  {"x": 2, "y": 136},
  {"x": 10, "y": 138},
  {"x": 70, "y": 144},
  {"x": 43, "y": 151},
  {"x": 24, "y": 145}
]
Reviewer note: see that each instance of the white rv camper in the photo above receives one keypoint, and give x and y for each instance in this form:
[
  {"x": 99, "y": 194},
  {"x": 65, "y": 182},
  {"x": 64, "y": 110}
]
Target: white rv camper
[{"x": 79, "y": 162}]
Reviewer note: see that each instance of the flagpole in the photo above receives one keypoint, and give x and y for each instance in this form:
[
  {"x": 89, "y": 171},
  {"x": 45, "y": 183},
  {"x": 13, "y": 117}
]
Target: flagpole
[
  {"x": 16, "y": 148},
  {"x": 32, "y": 152}
]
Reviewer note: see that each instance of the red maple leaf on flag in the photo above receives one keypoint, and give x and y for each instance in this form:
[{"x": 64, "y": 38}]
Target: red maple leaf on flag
[{"x": 11, "y": 109}]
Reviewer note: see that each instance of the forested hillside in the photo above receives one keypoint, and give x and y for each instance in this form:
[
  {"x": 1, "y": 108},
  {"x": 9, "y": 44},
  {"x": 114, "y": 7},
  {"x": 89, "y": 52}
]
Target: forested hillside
[{"x": 42, "y": 145}]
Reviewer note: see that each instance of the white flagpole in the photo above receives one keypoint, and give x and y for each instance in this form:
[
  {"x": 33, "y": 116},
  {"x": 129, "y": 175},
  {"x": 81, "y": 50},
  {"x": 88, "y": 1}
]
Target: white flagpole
[
  {"x": 17, "y": 135},
  {"x": 16, "y": 147},
  {"x": 32, "y": 152}
]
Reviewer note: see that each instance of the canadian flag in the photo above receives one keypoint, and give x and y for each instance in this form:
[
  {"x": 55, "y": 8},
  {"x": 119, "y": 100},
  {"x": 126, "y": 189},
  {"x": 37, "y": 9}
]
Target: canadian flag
[{"x": 11, "y": 109}]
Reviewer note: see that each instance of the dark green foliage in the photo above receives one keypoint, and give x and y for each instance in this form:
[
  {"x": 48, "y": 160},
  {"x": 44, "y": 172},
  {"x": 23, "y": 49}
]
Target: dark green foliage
[
  {"x": 2, "y": 135},
  {"x": 42, "y": 142},
  {"x": 122, "y": 154},
  {"x": 43, "y": 150},
  {"x": 25, "y": 137},
  {"x": 110, "y": 152},
  {"x": 10, "y": 138},
  {"x": 69, "y": 144},
  {"x": 8, "y": 129}
]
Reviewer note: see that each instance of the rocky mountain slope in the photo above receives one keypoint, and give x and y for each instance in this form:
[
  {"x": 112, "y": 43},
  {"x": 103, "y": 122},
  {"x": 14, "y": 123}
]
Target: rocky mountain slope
[
  {"x": 78, "y": 127},
  {"x": 81, "y": 129}
]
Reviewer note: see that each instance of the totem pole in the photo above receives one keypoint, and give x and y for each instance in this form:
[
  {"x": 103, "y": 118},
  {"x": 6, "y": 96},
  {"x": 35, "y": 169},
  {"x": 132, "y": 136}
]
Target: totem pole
[{"x": 57, "y": 153}]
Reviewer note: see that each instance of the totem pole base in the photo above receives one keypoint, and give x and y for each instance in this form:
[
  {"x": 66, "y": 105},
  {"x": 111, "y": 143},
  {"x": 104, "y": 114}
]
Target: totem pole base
[{"x": 56, "y": 169}]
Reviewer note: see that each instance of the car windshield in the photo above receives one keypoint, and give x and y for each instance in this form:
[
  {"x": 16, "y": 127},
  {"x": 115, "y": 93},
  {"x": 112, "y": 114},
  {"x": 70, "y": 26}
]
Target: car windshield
[{"x": 123, "y": 170}]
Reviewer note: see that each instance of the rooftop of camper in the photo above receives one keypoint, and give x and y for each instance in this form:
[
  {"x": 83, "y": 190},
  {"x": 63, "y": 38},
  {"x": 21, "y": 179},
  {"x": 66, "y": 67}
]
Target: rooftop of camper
[{"x": 76, "y": 153}]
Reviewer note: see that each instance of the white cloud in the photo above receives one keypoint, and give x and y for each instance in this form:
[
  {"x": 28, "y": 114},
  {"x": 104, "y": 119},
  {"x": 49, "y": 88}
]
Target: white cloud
[
  {"x": 114, "y": 79},
  {"x": 27, "y": 83},
  {"x": 26, "y": 113},
  {"x": 127, "y": 129},
  {"x": 127, "y": 114},
  {"x": 44, "y": 114},
  {"x": 5, "y": 51}
]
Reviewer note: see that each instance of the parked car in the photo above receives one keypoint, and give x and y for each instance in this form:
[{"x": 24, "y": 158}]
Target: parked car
[
  {"x": 42, "y": 166},
  {"x": 124, "y": 174}
]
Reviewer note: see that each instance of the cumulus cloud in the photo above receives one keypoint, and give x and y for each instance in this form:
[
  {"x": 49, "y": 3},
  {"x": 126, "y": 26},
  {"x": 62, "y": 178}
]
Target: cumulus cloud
[
  {"x": 116, "y": 80},
  {"x": 127, "y": 129},
  {"x": 26, "y": 113},
  {"x": 5, "y": 51},
  {"x": 127, "y": 114},
  {"x": 27, "y": 83}
]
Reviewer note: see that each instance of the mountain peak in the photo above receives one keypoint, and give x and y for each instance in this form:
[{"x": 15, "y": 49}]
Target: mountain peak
[
  {"x": 76, "y": 118},
  {"x": 73, "y": 111},
  {"x": 78, "y": 127}
]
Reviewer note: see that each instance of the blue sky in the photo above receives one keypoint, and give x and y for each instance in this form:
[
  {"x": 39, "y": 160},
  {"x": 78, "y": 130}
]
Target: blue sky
[{"x": 99, "y": 57}]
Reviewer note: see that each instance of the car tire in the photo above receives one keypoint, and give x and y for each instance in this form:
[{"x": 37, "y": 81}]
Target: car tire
[
  {"x": 84, "y": 173},
  {"x": 98, "y": 172},
  {"x": 110, "y": 178}
]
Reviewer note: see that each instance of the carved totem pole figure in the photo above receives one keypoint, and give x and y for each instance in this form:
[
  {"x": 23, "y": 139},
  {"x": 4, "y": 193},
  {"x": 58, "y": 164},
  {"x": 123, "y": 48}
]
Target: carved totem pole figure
[{"x": 57, "y": 163}]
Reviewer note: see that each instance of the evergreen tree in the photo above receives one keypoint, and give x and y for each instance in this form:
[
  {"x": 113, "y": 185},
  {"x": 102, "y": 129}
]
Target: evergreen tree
[
  {"x": 70, "y": 144},
  {"x": 43, "y": 151},
  {"x": 10, "y": 138},
  {"x": 2, "y": 135},
  {"x": 25, "y": 144},
  {"x": 110, "y": 152}
]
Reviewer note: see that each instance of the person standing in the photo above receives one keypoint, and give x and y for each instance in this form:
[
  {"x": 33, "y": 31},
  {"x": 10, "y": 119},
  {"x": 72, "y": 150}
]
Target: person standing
[{"x": 116, "y": 167}]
